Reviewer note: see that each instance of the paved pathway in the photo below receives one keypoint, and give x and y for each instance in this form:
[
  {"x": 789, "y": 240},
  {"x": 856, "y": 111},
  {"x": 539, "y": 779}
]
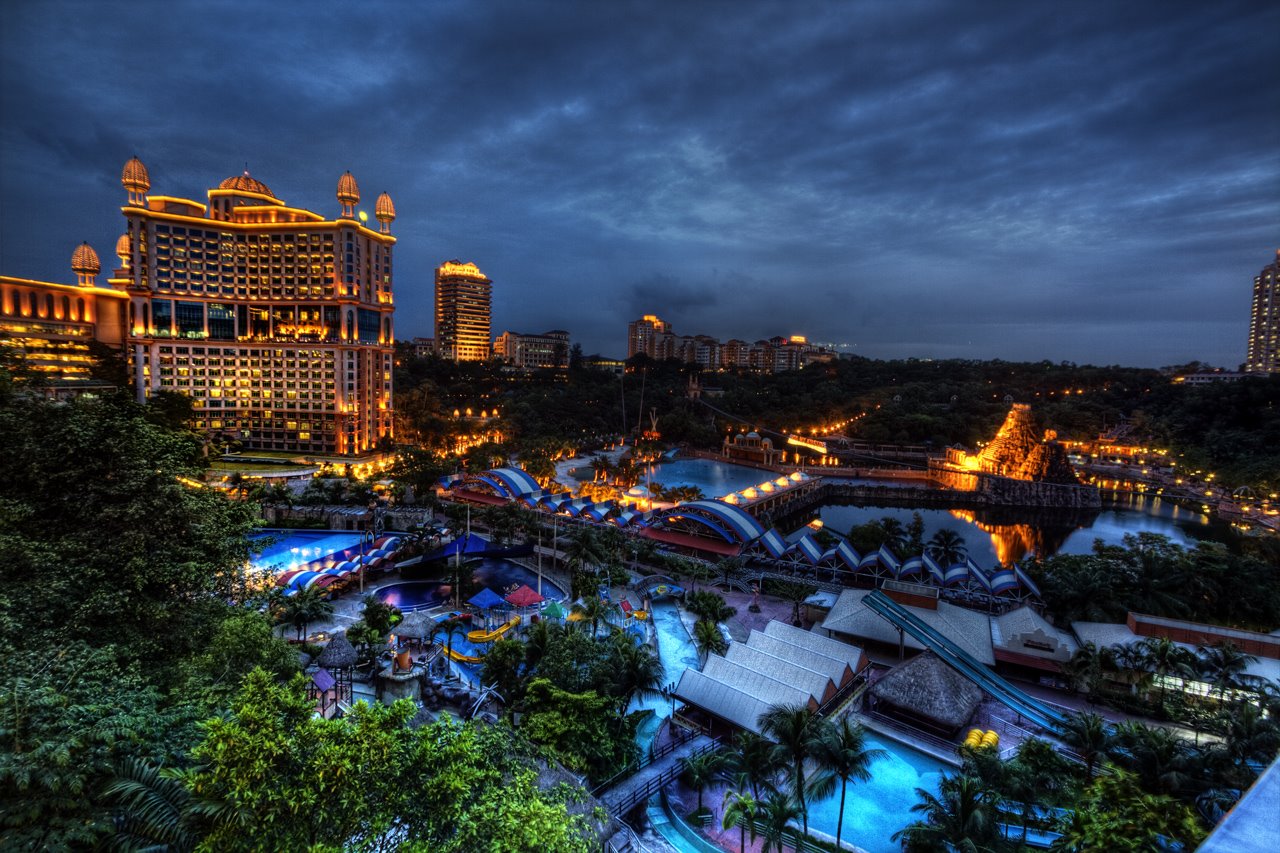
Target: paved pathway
[{"x": 625, "y": 791}]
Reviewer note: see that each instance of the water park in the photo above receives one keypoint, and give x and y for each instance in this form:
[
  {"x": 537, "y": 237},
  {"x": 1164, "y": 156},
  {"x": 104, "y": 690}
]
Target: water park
[{"x": 931, "y": 658}]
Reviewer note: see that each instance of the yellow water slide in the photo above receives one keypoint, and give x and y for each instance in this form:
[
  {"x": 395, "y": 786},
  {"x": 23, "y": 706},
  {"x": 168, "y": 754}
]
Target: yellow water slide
[
  {"x": 461, "y": 658},
  {"x": 483, "y": 636}
]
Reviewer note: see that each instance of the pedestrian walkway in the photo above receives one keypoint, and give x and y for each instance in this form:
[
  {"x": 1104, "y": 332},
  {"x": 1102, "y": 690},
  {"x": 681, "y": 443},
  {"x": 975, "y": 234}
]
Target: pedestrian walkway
[{"x": 650, "y": 779}]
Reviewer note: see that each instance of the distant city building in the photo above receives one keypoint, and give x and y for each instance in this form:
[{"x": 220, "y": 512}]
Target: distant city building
[
  {"x": 49, "y": 326},
  {"x": 548, "y": 350},
  {"x": 274, "y": 320},
  {"x": 423, "y": 347},
  {"x": 463, "y": 312},
  {"x": 1207, "y": 377},
  {"x": 599, "y": 362},
  {"x": 643, "y": 335},
  {"x": 1264, "y": 323},
  {"x": 653, "y": 337}
]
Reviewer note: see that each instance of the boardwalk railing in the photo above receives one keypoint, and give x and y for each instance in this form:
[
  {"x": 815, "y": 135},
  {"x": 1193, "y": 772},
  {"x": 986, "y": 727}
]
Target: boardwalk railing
[
  {"x": 656, "y": 784},
  {"x": 680, "y": 736}
]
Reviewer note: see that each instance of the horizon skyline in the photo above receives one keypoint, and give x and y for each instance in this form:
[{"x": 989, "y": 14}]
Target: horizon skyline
[{"x": 911, "y": 182}]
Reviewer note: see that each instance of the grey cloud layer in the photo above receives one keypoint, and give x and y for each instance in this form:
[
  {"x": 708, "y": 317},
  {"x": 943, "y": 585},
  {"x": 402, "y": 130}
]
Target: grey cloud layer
[{"x": 1002, "y": 179}]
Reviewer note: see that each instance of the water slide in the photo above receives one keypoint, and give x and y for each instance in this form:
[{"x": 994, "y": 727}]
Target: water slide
[
  {"x": 964, "y": 663},
  {"x": 483, "y": 636},
  {"x": 461, "y": 658}
]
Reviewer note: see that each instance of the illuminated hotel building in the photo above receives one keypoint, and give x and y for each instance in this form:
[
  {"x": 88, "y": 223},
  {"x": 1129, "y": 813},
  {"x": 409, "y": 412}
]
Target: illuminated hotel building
[
  {"x": 548, "y": 350},
  {"x": 1263, "y": 355},
  {"x": 50, "y": 325},
  {"x": 463, "y": 319},
  {"x": 274, "y": 320}
]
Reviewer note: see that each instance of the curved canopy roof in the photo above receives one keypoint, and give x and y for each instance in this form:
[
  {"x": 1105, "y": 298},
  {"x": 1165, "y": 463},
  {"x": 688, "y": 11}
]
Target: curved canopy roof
[
  {"x": 511, "y": 482},
  {"x": 728, "y": 521}
]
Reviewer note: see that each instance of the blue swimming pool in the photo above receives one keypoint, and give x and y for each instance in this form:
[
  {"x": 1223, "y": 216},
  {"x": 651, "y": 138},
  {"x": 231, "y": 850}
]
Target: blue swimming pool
[
  {"x": 875, "y": 810},
  {"x": 499, "y": 575},
  {"x": 715, "y": 478},
  {"x": 288, "y": 549}
]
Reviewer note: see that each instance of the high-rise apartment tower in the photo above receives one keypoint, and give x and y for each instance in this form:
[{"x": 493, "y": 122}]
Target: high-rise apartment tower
[
  {"x": 1263, "y": 355},
  {"x": 463, "y": 313}
]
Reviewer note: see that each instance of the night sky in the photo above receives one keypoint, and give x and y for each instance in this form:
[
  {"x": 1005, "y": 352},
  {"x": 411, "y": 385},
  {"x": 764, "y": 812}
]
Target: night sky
[{"x": 1093, "y": 182}]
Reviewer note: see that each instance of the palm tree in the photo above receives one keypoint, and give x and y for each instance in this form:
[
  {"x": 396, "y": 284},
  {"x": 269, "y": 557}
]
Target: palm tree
[
  {"x": 961, "y": 817},
  {"x": 702, "y": 770},
  {"x": 637, "y": 671},
  {"x": 840, "y": 751},
  {"x": 1163, "y": 761},
  {"x": 793, "y": 729},
  {"x": 793, "y": 591},
  {"x": 1088, "y": 666},
  {"x": 1165, "y": 657},
  {"x": 741, "y": 809},
  {"x": 946, "y": 547},
  {"x": 447, "y": 628},
  {"x": 304, "y": 607},
  {"x": 752, "y": 758},
  {"x": 708, "y": 639},
  {"x": 728, "y": 567},
  {"x": 895, "y": 535},
  {"x": 1090, "y": 736},
  {"x": 539, "y": 639},
  {"x": 708, "y": 606},
  {"x": 154, "y": 808},
  {"x": 776, "y": 812},
  {"x": 595, "y": 610},
  {"x": 1222, "y": 665}
]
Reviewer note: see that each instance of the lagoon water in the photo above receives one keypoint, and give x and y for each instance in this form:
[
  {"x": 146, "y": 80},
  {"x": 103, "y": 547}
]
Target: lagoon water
[{"x": 993, "y": 535}]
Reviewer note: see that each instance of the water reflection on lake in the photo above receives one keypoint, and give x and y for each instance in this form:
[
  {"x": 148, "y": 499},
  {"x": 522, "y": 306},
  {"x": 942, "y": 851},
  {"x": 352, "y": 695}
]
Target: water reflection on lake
[{"x": 1005, "y": 534}]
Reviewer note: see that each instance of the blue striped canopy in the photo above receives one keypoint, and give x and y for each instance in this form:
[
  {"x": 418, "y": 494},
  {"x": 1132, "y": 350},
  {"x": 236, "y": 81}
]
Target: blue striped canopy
[
  {"x": 888, "y": 559},
  {"x": 1026, "y": 581},
  {"x": 846, "y": 553},
  {"x": 809, "y": 549},
  {"x": 1002, "y": 581},
  {"x": 774, "y": 544},
  {"x": 956, "y": 573},
  {"x": 935, "y": 571},
  {"x": 911, "y": 566},
  {"x": 977, "y": 574}
]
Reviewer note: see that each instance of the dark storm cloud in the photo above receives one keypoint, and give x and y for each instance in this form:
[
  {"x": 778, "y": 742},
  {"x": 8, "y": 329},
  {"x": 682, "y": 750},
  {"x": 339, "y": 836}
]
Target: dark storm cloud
[{"x": 1086, "y": 181}]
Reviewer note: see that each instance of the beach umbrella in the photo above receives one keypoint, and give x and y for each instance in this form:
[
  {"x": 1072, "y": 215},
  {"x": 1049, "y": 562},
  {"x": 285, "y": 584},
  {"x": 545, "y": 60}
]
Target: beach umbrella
[{"x": 553, "y": 611}]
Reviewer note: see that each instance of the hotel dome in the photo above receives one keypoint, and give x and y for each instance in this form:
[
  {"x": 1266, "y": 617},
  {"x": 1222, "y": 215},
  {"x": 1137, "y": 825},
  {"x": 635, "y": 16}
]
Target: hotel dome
[
  {"x": 84, "y": 260},
  {"x": 135, "y": 176},
  {"x": 246, "y": 184},
  {"x": 348, "y": 190}
]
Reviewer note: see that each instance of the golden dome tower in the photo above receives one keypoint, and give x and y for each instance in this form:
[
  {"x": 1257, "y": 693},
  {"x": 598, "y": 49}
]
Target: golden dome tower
[
  {"x": 246, "y": 183},
  {"x": 385, "y": 210},
  {"x": 136, "y": 180},
  {"x": 85, "y": 264},
  {"x": 348, "y": 194},
  {"x": 124, "y": 250}
]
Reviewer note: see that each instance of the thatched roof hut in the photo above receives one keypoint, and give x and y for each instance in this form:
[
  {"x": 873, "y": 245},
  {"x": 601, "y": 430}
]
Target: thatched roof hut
[
  {"x": 416, "y": 626},
  {"x": 338, "y": 654},
  {"x": 928, "y": 693}
]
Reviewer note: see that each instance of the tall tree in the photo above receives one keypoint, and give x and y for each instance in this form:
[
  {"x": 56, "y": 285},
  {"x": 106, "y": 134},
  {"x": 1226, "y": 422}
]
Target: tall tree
[
  {"x": 962, "y": 816},
  {"x": 740, "y": 808},
  {"x": 841, "y": 754},
  {"x": 793, "y": 729}
]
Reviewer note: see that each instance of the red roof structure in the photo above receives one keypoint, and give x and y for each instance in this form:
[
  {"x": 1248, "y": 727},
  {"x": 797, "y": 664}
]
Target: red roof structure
[{"x": 525, "y": 596}]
